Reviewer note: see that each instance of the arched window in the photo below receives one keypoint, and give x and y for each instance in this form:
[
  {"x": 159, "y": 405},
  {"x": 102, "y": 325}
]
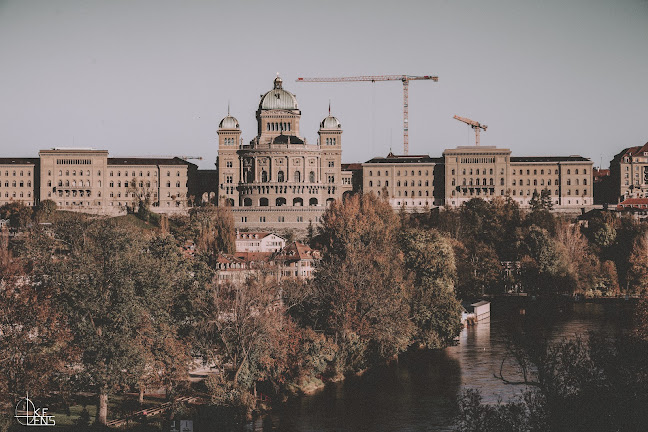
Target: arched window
[
  {"x": 311, "y": 177},
  {"x": 297, "y": 176},
  {"x": 280, "y": 176},
  {"x": 312, "y": 202},
  {"x": 263, "y": 202},
  {"x": 247, "y": 202},
  {"x": 298, "y": 202},
  {"x": 264, "y": 176},
  {"x": 168, "y": 184},
  {"x": 177, "y": 184}
]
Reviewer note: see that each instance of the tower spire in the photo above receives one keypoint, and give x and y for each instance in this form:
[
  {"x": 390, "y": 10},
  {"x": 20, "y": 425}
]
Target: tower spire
[
  {"x": 228, "y": 107},
  {"x": 329, "y": 107}
]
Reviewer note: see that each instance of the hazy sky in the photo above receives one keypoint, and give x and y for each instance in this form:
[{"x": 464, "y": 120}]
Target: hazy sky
[{"x": 549, "y": 77}]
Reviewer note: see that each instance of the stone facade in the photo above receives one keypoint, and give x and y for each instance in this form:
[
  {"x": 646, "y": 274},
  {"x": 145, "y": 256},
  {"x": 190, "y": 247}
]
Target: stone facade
[
  {"x": 487, "y": 172},
  {"x": 418, "y": 182},
  {"x": 407, "y": 181},
  {"x": 279, "y": 179},
  {"x": 18, "y": 180},
  {"x": 88, "y": 180}
]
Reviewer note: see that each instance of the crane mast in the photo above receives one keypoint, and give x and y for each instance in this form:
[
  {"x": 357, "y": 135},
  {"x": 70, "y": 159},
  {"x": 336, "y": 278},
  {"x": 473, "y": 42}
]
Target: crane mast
[
  {"x": 405, "y": 79},
  {"x": 477, "y": 127}
]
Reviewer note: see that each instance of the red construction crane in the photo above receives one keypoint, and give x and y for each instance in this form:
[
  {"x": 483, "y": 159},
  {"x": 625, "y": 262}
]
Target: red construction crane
[
  {"x": 473, "y": 124},
  {"x": 373, "y": 78}
]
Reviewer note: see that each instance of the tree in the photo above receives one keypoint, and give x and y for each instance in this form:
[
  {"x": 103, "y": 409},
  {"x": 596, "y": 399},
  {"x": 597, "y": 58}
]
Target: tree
[
  {"x": 541, "y": 201},
  {"x": 357, "y": 296},
  {"x": 638, "y": 262},
  {"x": 435, "y": 311},
  {"x": 18, "y": 214},
  {"x": 116, "y": 289},
  {"x": 213, "y": 230},
  {"x": 34, "y": 341},
  {"x": 478, "y": 269},
  {"x": 544, "y": 268},
  {"x": 582, "y": 263},
  {"x": 244, "y": 328},
  {"x": 45, "y": 209}
]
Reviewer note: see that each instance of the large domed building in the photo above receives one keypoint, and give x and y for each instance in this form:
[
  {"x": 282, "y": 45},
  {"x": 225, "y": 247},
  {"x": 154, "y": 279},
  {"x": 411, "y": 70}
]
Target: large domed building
[{"x": 279, "y": 180}]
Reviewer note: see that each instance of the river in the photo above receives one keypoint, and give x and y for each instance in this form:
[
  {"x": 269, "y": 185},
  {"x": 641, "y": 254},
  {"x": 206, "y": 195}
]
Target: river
[{"x": 419, "y": 392}]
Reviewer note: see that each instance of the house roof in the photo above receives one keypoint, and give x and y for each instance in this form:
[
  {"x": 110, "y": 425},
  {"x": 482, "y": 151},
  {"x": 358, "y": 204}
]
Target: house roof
[
  {"x": 633, "y": 202},
  {"x": 351, "y": 166},
  {"x": 253, "y": 256},
  {"x": 297, "y": 251}
]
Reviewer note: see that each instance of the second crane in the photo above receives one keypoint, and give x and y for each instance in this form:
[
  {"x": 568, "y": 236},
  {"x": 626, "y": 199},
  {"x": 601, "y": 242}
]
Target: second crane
[{"x": 477, "y": 127}]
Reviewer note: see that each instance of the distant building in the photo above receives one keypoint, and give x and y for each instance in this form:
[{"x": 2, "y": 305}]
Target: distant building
[
  {"x": 88, "y": 180},
  {"x": 416, "y": 182},
  {"x": 297, "y": 261},
  {"x": 629, "y": 173},
  {"x": 18, "y": 180},
  {"x": 279, "y": 179},
  {"x": 407, "y": 181},
  {"x": 487, "y": 172},
  {"x": 636, "y": 204},
  {"x": 255, "y": 241}
]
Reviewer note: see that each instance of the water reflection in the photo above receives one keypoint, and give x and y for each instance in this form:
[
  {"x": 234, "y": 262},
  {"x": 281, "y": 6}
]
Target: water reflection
[{"x": 419, "y": 392}]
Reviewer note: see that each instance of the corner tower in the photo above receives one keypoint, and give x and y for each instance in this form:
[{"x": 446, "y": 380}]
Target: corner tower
[
  {"x": 330, "y": 140},
  {"x": 227, "y": 163}
]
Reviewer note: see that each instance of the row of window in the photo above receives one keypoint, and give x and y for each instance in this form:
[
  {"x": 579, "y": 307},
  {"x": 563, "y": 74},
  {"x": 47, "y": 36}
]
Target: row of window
[
  {"x": 13, "y": 183},
  {"x": 278, "y": 126},
  {"x": 331, "y": 141},
  {"x": 477, "y": 182},
  {"x": 483, "y": 172},
  {"x": 13, "y": 174},
  {"x": 74, "y": 172},
  {"x": 141, "y": 173},
  {"x": 21, "y": 195},
  {"x": 542, "y": 171},
  {"x": 398, "y": 173},
  {"x": 73, "y": 184},
  {"x": 73, "y": 162},
  {"x": 296, "y": 177}
]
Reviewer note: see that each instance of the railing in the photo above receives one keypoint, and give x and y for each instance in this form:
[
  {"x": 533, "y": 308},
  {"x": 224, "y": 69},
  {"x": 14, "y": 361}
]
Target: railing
[{"x": 147, "y": 412}]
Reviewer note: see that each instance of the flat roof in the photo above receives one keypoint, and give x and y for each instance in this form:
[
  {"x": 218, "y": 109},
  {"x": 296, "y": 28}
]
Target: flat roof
[
  {"x": 17, "y": 160},
  {"x": 574, "y": 158}
]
